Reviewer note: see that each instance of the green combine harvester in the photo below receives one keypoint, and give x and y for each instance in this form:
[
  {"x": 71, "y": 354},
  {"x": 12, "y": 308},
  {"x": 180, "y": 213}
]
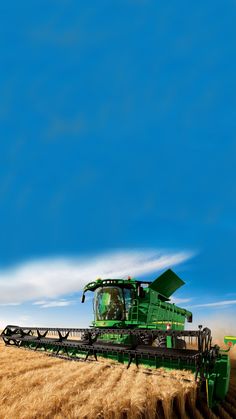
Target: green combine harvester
[{"x": 135, "y": 322}]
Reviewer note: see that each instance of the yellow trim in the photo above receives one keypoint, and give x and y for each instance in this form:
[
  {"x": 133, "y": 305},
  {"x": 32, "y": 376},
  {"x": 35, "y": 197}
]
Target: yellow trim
[
  {"x": 166, "y": 322},
  {"x": 230, "y": 337}
]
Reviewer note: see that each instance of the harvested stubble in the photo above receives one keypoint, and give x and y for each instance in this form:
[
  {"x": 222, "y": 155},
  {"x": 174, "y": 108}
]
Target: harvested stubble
[{"x": 33, "y": 385}]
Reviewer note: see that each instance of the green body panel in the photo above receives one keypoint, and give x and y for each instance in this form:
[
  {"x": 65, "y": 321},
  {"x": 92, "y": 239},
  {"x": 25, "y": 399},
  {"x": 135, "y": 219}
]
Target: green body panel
[
  {"x": 218, "y": 380},
  {"x": 167, "y": 283}
]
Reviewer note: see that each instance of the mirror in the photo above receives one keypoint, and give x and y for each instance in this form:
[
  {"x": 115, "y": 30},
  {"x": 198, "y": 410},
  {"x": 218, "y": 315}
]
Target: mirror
[{"x": 190, "y": 318}]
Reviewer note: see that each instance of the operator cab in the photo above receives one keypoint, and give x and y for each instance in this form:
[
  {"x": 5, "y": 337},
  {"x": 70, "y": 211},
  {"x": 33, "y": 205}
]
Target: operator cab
[{"x": 112, "y": 303}]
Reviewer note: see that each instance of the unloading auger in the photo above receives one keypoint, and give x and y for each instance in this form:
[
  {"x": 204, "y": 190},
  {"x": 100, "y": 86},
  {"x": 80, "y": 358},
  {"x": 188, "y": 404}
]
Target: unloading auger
[{"x": 135, "y": 322}]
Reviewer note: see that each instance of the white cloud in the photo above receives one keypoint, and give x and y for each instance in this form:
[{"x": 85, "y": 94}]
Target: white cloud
[
  {"x": 176, "y": 300},
  {"x": 39, "y": 303},
  {"x": 217, "y": 304},
  {"x": 52, "y": 278},
  {"x": 59, "y": 303},
  {"x": 53, "y": 303}
]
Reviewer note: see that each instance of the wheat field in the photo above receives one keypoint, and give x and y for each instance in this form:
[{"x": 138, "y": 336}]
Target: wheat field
[{"x": 34, "y": 385}]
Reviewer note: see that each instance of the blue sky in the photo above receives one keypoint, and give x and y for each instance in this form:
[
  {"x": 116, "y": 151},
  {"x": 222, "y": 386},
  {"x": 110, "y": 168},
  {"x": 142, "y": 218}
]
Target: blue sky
[{"x": 117, "y": 135}]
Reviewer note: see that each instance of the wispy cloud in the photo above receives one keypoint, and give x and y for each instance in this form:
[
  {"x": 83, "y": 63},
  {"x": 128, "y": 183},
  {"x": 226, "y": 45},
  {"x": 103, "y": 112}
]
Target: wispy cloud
[
  {"x": 217, "y": 304},
  {"x": 59, "y": 303},
  {"x": 39, "y": 303},
  {"x": 176, "y": 300},
  {"x": 52, "y": 278}
]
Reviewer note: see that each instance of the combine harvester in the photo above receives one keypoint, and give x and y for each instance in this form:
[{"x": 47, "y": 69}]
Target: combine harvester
[{"x": 135, "y": 322}]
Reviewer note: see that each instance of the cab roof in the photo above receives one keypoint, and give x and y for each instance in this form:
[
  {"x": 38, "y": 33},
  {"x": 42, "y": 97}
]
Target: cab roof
[{"x": 165, "y": 284}]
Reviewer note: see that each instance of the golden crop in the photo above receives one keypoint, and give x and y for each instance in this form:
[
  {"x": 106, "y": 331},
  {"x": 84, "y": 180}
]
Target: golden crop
[{"x": 34, "y": 385}]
